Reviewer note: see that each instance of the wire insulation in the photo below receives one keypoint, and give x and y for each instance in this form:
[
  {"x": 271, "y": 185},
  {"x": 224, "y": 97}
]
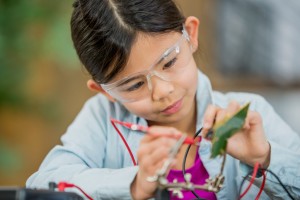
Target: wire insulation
[
  {"x": 256, "y": 167},
  {"x": 63, "y": 185},
  {"x": 184, "y": 162},
  {"x": 269, "y": 171},
  {"x": 262, "y": 185},
  {"x": 126, "y": 144}
]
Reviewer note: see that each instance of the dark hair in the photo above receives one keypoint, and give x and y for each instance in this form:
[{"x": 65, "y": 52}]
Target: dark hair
[{"x": 103, "y": 31}]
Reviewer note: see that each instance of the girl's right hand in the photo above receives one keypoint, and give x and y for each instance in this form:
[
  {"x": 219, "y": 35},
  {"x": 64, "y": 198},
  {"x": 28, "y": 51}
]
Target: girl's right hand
[{"x": 153, "y": 151}]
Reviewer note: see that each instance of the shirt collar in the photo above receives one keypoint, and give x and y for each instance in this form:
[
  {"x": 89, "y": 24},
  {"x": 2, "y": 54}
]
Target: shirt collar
[{"x": 203, "y": 97}]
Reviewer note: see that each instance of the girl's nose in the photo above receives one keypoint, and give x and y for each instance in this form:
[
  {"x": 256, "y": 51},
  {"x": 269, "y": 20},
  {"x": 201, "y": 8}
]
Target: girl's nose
[{"x": 160, "y": 88}]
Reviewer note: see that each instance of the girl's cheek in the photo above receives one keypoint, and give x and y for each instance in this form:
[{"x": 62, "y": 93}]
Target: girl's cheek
[{"x": 142, "y": 108}]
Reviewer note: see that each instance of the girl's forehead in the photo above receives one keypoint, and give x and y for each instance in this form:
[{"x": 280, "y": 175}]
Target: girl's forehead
[
  {"x": 146, "y": 49},
  {"x": 158, "y": 41}
]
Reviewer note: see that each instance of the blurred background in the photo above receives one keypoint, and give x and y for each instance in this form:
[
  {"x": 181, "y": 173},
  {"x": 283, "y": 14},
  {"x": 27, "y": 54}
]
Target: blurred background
[{"x": 248, "y": 45}]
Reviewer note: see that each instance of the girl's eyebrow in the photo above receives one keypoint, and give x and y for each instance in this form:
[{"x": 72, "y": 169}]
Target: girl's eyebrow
[{"x": 165, "y": 54}]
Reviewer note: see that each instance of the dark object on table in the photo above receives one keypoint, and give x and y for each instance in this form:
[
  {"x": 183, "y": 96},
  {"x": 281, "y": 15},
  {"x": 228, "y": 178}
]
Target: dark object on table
[{"x": 17, "y": 193}]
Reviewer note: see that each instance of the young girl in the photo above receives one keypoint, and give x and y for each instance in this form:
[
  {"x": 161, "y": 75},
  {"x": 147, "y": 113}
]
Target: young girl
[{"x": 139, "y": 54}]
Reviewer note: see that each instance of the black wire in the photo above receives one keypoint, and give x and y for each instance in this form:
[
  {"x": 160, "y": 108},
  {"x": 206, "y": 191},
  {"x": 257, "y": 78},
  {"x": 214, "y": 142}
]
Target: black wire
[
  {"x": 244, "y": 179},
  {"x": 278, "y": 179},
  {"x": 184, "y": 162},
  {"x": 280, "y": 182}
]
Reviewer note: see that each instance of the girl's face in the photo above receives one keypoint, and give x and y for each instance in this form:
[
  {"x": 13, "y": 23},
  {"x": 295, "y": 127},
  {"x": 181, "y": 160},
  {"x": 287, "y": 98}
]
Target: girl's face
[{"x": 169, "y": 101}]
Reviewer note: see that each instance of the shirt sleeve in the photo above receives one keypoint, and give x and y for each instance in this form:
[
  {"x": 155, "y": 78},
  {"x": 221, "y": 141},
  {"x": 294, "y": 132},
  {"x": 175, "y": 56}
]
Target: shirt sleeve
[
  {"x": 82, "y": 157},
  {"x": 285, "y": 154}
]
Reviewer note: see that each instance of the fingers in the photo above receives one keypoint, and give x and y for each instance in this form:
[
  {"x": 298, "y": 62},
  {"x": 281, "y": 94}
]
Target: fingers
[
  {"x": 158, "y": 131},
  {"x": 155, "y": 147},
  {"x": 149, "y": 147},
  {"x": 210, "y": 116},
  {"x": 155, "y": 160},
  {"x": 209, "y": 120},
  {"x": 216, "y": 114},
  {"x": 248, "y": 144},
  {"x": 253, "y": 120},
  {"x": 153, "y": 151}
]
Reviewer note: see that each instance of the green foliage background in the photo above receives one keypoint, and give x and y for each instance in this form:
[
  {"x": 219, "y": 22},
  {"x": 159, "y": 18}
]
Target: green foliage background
[
  {"x": 39, "y": 74},
  {"x": 30, "y": 29}
]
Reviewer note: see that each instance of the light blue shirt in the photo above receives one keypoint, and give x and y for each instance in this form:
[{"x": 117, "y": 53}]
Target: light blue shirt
[{"x": 93, "y": 156}]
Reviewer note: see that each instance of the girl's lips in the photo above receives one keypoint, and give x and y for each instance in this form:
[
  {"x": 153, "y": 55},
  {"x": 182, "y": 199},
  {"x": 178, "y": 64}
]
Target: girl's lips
[{"x": 175, "y": 107}]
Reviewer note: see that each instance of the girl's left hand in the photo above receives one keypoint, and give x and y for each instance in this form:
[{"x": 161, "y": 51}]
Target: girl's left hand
[{"x": 249, "y": 145}]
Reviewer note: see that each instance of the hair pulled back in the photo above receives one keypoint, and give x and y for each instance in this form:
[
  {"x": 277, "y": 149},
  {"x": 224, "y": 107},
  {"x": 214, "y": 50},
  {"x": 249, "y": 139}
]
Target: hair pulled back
[{"x": 103, "y": 31}]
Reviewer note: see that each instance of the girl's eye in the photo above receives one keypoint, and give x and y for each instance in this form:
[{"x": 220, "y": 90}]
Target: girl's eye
[
  {"x": 136, "y": 86},
  {"x": 170, "y": 63}
]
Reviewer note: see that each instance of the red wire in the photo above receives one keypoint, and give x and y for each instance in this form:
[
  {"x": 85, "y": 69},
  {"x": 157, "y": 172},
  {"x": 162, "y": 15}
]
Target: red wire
[
  {"x": 262, "y": 186},
  {"x": 131, "y": 125},
  {"x": 62, "y": 185},
  {"x": 89, "y": 197},
  {"x": 124, "y": 141},
  {"x": 256, "y": 166}
]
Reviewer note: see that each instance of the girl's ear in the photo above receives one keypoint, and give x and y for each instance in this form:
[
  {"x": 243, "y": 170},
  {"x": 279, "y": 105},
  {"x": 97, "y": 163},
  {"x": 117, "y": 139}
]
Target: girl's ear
[
  {"x": 192, "y": 25},
  {"x": 95, "y": 87}
]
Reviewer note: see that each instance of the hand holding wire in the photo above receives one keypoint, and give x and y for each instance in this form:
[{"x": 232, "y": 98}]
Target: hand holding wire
[
  {"x": 167, "y": 164},
  {"x": 157, "y": 154},
  {"x": 172, "y": 133}
]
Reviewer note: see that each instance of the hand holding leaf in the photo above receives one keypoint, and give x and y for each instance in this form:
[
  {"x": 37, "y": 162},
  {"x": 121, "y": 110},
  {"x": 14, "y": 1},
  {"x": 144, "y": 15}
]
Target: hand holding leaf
[
  {"x": 225, "y": 129},
  {"x": 237, "y": 131}
]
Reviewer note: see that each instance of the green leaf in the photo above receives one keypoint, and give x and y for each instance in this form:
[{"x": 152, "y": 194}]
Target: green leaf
[{"x": 227, "y": 128}]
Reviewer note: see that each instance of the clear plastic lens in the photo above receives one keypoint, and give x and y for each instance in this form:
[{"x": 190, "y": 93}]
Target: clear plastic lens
[{"x": 168, "y": 68}]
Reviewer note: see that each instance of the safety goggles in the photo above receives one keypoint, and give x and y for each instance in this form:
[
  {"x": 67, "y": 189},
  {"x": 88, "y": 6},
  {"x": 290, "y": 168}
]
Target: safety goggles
[{"x": 168, "y": 67}]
